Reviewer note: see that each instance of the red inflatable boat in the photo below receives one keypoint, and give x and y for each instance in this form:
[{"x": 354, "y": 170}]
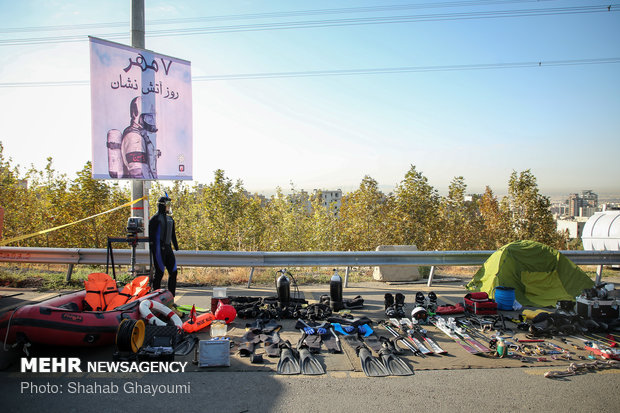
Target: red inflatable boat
[{"x": 61, "y": 321}]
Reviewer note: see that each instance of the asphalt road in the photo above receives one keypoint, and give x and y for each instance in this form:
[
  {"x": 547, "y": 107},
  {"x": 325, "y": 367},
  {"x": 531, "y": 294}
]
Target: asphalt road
[
  {"x": 480, "y": 390},
  {"x": 442, "y": 386}
]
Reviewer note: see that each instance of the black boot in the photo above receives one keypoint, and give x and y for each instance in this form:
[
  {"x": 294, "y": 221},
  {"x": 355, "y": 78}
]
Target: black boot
[
  {"x": 432, "y": 301},
  {"x": 399, "y": 305},
  {"x": 419, "y": 299},
  {"x": 389, "y": 305}
]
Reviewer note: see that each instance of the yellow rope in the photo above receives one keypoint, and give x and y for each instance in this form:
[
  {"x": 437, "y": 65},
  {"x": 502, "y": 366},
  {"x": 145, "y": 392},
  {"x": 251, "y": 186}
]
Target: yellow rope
[{"x": 22, "y": 237}]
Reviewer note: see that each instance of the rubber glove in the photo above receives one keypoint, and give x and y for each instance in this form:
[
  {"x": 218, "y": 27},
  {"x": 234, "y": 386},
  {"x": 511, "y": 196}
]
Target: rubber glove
[
  {"x": 338, "y": 328},
  {"x": 365, "y": 330}
]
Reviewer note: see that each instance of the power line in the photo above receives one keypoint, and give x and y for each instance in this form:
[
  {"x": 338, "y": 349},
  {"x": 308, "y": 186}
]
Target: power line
[
  {"x": 410, "y": 69},
  {"x": 332, "y": 23},
  {"x": 250, "y": 16},
  {"x": 384, "y": 20},
  {"x": 350, "y": 72}
]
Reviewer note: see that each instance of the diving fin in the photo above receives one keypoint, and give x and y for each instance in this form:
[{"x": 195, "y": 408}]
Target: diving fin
[
  {"x": 288, "y": 363},
  {"x": 186, "y": 308},
  {"x": 370, "y": 364},
  {"x": 373, "y": 342},
  {"x": 186, "y": 346},
  {"x": 394, "y": 364},
  {"x": 308, "y": 363}
]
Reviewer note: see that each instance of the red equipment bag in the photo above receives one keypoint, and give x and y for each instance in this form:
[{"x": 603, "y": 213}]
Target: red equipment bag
[
  {"x": 450, "y": 309},
  {"x": 480, "y": 303}
]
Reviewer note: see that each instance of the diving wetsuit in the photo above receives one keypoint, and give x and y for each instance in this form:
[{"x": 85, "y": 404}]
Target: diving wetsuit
[{"x": 161, "y": 235}]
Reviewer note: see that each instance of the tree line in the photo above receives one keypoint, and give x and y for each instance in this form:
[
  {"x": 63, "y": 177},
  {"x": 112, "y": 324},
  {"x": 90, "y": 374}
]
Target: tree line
[{"x": 222, "y": 215}]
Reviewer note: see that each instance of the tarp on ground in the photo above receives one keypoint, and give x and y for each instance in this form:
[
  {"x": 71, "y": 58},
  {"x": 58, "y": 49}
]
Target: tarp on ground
[{"x": 540, "y": 275}]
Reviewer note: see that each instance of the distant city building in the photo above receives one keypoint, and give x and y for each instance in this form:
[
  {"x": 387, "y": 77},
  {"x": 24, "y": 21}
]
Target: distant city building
[
  {"x": 584, "y": 205},
  {"x": 330, "y": 199},
  {"x": 301, "y": 198},
  {"x": 560, "y": 209},
  {"x": 573, "y": 226},
  {"x": 610, "y": 207}
]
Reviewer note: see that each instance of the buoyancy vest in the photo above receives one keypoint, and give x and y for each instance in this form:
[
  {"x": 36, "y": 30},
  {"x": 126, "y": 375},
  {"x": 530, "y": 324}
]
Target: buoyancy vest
[
  {"x": 132, "y": 291},
  {"x": 100, "y": 290}
]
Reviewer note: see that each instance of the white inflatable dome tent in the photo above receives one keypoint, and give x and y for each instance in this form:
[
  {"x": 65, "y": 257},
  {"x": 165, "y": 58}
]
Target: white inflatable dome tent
[{"x": 602, "y": 233}]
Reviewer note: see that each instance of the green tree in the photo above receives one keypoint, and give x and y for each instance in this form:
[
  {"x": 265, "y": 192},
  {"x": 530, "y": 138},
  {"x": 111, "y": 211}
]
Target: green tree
[
  {"x": 221, "y": 205},
  {"x": 287, "y": 221},
  {"x": 414, "y": 215},
  {"x": 496, "y": 230},
  {"x": 363, "y": 217},
  {"x": 218, "y": 216},
  {"x": 530, "y": 217},
  {"x": 87, "y": 197},
  {"x": 19, "y": 204},
  {"x": 459, "y": 219},
  {"x": 325, "y": 231}
]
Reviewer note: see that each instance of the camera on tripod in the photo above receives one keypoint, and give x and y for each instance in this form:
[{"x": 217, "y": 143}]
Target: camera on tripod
[{"x": 135, "y": 225}]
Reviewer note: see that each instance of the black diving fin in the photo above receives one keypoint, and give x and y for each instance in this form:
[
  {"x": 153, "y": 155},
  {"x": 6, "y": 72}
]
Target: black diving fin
[
  {"x": 288, "y": 363},
  {"x": 371, "y": 365},
  {"x": 395, "y": 365},
  {"x": 308, "y": 363}
]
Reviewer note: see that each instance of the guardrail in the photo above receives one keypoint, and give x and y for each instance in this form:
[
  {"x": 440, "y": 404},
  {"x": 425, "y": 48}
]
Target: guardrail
[
  {"x": 85, "y": 256},
  {"x": 88, "y": 256}
]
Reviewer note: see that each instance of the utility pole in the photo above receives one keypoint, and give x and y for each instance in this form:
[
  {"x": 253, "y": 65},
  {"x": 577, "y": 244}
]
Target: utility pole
[{"x": 138, "y": 187}]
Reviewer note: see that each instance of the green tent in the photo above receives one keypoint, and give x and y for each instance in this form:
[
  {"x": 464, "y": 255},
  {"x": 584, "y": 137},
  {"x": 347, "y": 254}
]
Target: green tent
[{"x": 540, "y": 275}]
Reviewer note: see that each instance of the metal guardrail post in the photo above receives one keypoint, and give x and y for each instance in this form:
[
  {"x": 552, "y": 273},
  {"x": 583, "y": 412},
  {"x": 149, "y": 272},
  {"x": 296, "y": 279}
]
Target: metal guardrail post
[
  {"x": 69, "y": 272},
  {"x": 599, "y": 275},
  {"x": 250, "y": 278},
  {"x": 431, "y": 274},
  {"x": 346, "y": 277}
]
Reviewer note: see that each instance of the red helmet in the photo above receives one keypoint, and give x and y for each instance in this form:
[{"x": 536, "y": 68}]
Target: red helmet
[{"x": 225, "y": 312}]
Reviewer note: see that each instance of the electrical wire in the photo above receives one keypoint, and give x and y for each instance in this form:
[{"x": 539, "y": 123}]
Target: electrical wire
[
  {"x": 267, "y": 15},
  {"x": 351, "y": 72},
  {"x": 385, "y": 20},
  {"x": 330, "y": 23},
  {"x": 408, "y": 69}
]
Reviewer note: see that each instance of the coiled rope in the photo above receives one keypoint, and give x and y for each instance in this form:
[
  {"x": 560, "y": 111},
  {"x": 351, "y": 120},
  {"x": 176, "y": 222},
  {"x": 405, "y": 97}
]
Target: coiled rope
[{"x": 130, "y": 335}]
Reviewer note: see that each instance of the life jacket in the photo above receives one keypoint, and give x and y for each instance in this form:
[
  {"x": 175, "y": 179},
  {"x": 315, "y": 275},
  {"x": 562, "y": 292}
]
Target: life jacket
[
  {"x": 100, "y": 290},
  {"x": 132, "y": 291}
]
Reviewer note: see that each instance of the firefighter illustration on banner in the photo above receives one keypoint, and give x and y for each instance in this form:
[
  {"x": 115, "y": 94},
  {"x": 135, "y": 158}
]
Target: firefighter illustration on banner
[
  {"x": 133, "y": 154},
  {"x": 141, "y": 114}
]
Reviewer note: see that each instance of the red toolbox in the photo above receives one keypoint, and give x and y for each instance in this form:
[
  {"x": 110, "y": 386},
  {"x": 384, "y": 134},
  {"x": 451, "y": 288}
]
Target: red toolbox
[{"x": 480, "y": 303}]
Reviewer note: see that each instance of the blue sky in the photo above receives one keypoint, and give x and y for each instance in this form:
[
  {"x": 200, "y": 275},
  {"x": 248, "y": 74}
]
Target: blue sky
[{"x": 562, "y": 122}]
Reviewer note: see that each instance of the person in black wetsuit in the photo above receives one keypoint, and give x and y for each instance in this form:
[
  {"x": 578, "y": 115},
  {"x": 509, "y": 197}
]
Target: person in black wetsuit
[{"x": 162, "y": 236}]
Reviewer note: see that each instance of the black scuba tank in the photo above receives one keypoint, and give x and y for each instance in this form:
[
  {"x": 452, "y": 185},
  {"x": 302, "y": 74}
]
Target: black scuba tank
[
  {"x": 283, "y": 286},
  {"x": 335, "y": 292}
]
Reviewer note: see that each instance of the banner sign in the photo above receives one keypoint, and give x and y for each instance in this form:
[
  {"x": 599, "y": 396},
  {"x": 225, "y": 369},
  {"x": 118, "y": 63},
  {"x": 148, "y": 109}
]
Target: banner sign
[{"x": 141, "y": 105}]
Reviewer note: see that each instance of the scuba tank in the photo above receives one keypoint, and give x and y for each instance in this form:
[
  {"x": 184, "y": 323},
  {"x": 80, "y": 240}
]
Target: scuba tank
[
  {"x": 115, "y": 157},
  {"x": 283, "y": 287},
  {"x": 335, "y": 292}
]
